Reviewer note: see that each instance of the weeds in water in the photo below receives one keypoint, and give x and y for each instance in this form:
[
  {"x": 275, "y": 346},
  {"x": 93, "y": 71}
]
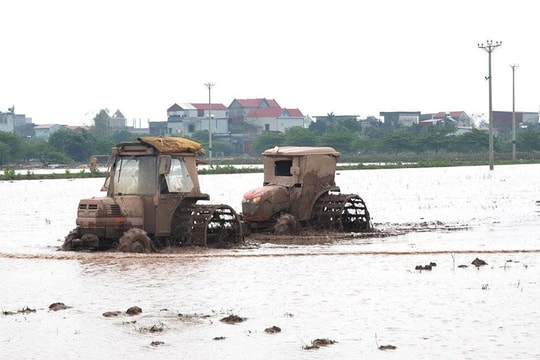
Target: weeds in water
[
  {"x": 158, "y": 327},
  {"x": 317, "y": 343}
]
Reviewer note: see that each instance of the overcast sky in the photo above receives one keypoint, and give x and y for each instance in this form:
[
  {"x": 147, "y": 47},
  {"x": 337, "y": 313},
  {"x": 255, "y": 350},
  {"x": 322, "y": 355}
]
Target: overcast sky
[{"x": 61, "y": 61}]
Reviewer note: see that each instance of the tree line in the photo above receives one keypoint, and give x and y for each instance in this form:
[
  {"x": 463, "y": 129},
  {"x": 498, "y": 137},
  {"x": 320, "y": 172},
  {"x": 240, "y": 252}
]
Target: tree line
[
  {"x": 350, "y": 139},
  {"x": 348, "y": 136}
]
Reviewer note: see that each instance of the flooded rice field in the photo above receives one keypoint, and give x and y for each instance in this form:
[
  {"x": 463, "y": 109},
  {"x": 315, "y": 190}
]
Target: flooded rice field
[{"x": 408, "y": 291}]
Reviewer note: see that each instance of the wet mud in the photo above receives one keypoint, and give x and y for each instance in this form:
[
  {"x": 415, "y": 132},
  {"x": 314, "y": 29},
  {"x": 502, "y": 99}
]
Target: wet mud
[{"x": 305, "y": 238}]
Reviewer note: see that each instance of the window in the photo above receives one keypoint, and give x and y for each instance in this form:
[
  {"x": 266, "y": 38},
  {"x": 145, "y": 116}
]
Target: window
[
  {"x": 135, "y": 175},
  {"x": 282, "y": 168},
  {"x": 178, "y": 179}
]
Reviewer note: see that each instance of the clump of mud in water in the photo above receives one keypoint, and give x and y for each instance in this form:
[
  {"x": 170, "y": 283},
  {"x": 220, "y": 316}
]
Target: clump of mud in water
[
  {"x": 134, "y": 310},
  {"x": 112, "y": 313},
  {"x": 159, "y": 327},
  {"x": 58, "y": 306},
  {"x": 272, "y": 330},
  {"x": 317, "y": 343},
  {"x": 233, "y": 319},
  {"x": 24, "y": 310}
]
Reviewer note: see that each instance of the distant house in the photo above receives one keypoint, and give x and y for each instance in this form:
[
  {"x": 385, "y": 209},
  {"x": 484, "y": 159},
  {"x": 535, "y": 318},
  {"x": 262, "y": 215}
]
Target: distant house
[
  {"x": 460, "y": 119},
  {"x": 117, "y": 121},
  {"x": 236, "y": 124},
  {"x": 18, "y": 124},
  {"x": 404, "y": 118},
  {"x": 275, "y": 119},
  {"x": 502, "y": 121},
  {"x": 240, "y": 108},
  {"x": 187, "y": 118},
  {"x": 77, "y": 128},
  {"x": 44, "y": 131},
  {"x": 7, "y": 122}
]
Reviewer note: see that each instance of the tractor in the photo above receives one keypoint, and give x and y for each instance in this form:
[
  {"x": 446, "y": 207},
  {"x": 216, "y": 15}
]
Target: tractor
[
  {"x": 152, "y": 202},
  {"x": 299, "y": 191}
]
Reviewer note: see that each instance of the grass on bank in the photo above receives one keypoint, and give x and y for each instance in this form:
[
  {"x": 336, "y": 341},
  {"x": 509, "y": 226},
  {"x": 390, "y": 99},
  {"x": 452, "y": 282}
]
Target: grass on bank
[
  {"x": 375, "y": 161},
  {"x": 11, "y": 174}
]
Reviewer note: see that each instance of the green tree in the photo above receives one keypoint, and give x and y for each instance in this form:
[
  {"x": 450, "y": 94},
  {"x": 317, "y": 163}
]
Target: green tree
[
  {"x": 318, "y": 127},
  {"x": 365, "y": 144},
  {"x": 222, "y": 147},
  {"x": 373, "y": 127},
  {"x": 351, "y": 124},
  {"x": 4, "y": 153},
  {"x": 120, "y": 136},
  {"x": 42, "y": 151},
  {"x": 10, "y": 147},
  {"x": 266, "y": 141},
  {"x": 474, "y": 141},
  {"x": 397, "y": 141},
  {"x": 200, "y": 136},
  {"x": 74, "y": 144},
  {"x": 437, "y": 137},
  {"x": 299, "y": 136},
  {"x": 528, "y": 140},
  {"x": 342, "y": 141}
]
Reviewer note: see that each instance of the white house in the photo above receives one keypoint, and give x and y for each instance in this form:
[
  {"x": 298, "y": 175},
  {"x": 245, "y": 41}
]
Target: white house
[
  {"x": 275, "y": 119},
  {"x": 186, "y": 118},
  {"x": 7, "y": 123},
  {"x": 10, "y": 122},
  {"x": 44, "y": 131}
]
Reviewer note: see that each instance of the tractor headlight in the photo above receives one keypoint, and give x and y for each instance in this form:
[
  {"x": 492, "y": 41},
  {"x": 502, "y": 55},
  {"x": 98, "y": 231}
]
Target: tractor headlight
[{"x": 254, "y": 200}]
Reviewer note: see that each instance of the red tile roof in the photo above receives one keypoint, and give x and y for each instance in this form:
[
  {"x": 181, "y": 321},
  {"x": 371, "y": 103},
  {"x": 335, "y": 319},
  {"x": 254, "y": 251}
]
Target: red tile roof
[
  {"x": 273, "y": 112},
  {"x": 256, "y": 103},
  {"x": 270, "y": 112},
  {"x": 295, "y": 112},
  {"x": 272, "y": 103}
]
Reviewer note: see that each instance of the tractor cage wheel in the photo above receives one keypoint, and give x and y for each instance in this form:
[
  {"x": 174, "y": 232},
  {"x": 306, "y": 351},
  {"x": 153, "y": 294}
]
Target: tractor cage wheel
[
  {"x": 341, "y": 212},
  {"x": 207, "y": 225}
]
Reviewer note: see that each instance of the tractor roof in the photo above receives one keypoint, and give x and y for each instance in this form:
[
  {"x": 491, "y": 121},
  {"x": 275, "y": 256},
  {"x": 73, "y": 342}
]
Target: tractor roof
[
  {"x": 171, "y": 145},
  {"x": 300, "y": 151}
]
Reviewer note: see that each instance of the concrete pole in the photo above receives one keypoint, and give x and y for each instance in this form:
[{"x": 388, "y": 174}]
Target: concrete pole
[
  {"x": 489, "y": 48},
  {"x": 514, "y": 66},
  {"x": 209, "y": 86}
]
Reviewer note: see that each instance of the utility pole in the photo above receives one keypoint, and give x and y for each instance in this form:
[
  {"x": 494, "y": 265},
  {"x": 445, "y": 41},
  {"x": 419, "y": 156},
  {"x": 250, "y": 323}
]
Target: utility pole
[
  {"x": 489, "y": 47},
  {"x": 209, "y": 86},
  {"x": 514, "y": 66}
]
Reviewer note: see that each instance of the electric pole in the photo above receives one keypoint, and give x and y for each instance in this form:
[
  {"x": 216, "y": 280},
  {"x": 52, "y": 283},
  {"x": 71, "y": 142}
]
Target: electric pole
[
  {"x": 489, "y": 47},
  {"x": 514, "y": 66},
  {"x": 209, "y": 86}
]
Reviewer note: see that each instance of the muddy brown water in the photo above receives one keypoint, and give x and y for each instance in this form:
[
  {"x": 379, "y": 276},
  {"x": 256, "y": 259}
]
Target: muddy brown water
[{"x": 361, "y": 292}]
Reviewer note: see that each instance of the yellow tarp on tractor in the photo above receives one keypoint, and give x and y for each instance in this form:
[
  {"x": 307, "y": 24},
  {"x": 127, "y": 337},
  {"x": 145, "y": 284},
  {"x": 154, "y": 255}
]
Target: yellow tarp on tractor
[{"x": 172, "y": 144}]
